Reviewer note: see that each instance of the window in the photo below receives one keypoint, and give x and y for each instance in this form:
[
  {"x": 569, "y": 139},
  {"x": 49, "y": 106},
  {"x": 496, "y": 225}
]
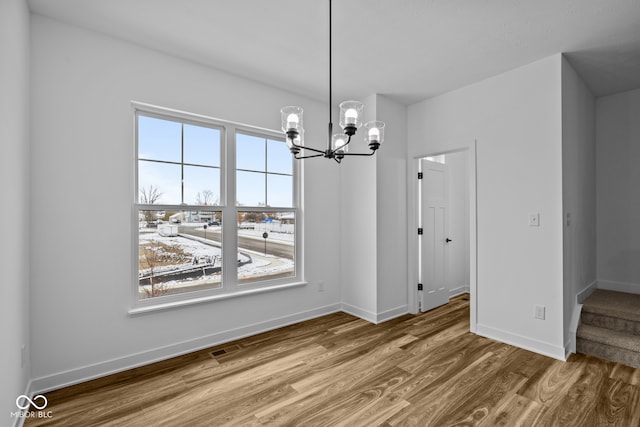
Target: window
[
  {"x": 266, "y": 217},
  {"x": 194, "y": 238},
  {"x": 264, "y": 172}
]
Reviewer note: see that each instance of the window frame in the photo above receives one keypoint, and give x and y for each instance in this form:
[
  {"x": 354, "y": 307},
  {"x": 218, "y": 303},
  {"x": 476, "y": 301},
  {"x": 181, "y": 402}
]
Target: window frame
[{"x": 227, "y": 205}]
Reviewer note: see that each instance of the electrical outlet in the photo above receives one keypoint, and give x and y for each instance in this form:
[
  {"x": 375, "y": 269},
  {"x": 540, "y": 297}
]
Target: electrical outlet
[
  {"x": 539, "y": 311},
  {"x": 321, "y": 286}
]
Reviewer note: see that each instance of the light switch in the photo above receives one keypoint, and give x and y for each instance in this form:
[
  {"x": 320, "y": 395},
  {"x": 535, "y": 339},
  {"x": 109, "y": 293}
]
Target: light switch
[{"x": 534, "y": 220}]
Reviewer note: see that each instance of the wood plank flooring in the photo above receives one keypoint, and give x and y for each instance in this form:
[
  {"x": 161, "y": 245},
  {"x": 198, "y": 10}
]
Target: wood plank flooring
[{"x": 337, "y": 370}]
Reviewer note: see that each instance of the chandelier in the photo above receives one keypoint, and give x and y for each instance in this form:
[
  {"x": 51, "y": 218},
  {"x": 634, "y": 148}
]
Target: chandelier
[{"x": 337, "y": 144}]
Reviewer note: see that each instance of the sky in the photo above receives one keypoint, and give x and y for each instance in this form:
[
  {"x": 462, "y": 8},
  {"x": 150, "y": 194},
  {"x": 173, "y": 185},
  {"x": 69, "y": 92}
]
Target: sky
[{"x": 264, "y": 166}]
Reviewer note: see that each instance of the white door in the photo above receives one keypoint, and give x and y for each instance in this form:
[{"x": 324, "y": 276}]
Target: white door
[{"x": 434, "y": 206}]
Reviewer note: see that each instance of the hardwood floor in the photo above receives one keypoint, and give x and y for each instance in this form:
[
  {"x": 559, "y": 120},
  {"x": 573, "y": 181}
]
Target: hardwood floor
[{"x": 424, "y": 370}]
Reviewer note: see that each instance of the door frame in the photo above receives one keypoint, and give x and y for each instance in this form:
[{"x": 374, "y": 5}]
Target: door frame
[{"x": 413, "y": 222}]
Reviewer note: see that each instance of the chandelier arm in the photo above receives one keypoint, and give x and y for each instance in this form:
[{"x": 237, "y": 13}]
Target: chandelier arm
[
  {"x": 302, "y": 147},
  {"x": 315, "y": 150},
  {"x": 309, "y": 156},
  {"x": 360, "y": 154},
  {"x": 346, "y": 143}
]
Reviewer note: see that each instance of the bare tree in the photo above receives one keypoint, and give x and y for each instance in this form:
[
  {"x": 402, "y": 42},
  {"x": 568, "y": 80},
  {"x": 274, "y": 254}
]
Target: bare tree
[
  {"x": 206, "y": 198},
  {"x": 152, "y": 257},
  {"x": 149, "y": 195},
  {"x": 155, "y": 254}
]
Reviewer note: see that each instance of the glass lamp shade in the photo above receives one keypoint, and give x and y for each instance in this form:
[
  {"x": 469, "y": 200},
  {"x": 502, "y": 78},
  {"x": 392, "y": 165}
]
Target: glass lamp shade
[
  {"x": 351, "y": 114},
  {"x": 339, "y": 142},
  {"x": 374, "y": 132},
  {"x": 291, "y": 119}
]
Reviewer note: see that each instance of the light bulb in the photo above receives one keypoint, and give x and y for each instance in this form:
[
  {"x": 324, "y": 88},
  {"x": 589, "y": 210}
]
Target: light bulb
[
  {"x": 350, "y": 116},
  {"x": 374, "y": 134},
  {"x": 292, "y": 121},
  {"x": 339, "y": 143}
]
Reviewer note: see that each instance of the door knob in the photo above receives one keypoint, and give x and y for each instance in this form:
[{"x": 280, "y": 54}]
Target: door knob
[{"x": 448, "y": 240}]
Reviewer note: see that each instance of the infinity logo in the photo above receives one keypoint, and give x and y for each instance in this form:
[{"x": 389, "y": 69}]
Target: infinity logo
[{"x": 29, "y": 402}]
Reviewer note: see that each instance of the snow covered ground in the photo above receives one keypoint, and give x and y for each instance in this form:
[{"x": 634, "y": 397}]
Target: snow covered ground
[
  {"x": 286, "y": 238},
  {"x": 255, "y": 265}
]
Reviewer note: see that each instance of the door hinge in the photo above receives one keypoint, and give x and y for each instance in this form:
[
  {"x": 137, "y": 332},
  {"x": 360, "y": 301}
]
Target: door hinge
[
  {"x": 420, "y": 175},
  {"x": 419, "y": 286},
  {"x": 420, "y": 231}
]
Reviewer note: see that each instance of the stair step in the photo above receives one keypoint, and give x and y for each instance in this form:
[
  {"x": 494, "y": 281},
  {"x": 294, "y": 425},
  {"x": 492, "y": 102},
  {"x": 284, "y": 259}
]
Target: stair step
[
  {"x": 607, "y": 344},
  {"x": 609, "y": 322},
  {"x": 603, "y": 351},
  {"x": 613, "y": 304},
  {"x": 610, "y": 327},
  {"x": 607, "y": 336}
]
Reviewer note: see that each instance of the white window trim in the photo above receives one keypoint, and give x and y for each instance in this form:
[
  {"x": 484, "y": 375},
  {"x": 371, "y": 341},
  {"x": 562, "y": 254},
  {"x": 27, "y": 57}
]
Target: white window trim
[{"x": 230, "y": 287}]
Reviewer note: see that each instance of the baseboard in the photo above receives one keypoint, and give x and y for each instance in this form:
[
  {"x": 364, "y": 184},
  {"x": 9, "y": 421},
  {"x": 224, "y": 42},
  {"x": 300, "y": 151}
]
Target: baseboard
[
  {"x": 19, "y": 421},
  {"x": 90, "y": 372},
  {"x": 372, "y": 317},
  {"x": 584, "y": 294},
  {"x": 541, "y": 347},
  {"x": 392, "y": 313},
  {"x": 359, "y": 312},
  {"x": 465, "y": 289},
  {"x": 610, "y": 285}
]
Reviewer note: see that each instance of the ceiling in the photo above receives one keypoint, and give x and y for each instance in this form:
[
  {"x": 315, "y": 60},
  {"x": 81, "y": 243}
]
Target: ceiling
[{"x": 406, "y": 49}]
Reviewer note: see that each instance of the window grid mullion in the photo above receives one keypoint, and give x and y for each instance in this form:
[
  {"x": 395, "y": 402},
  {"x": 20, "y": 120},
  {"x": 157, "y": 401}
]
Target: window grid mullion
[
  {"x": 266, "y": 176},
  {"x": 182, "y": 163}
]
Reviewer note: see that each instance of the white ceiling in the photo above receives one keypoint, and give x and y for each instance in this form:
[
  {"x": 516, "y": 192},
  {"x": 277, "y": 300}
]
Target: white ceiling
[{"x": 407, "y": 49}]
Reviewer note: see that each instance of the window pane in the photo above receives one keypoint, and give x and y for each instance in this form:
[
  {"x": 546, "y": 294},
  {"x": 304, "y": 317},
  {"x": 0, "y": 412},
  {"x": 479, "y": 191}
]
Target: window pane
[
  {"x": 201, "y": 145},
  {"x": 178, "y": 252},
  {"x": 250, "y": 188},
  {"x": 261, "y": 258},
  {"x": 279, "y": 190},
  {"x": 201, "y": 185},
  {"x": 159, "y": 139},
  {"x": 279, "y": 158},
  {"x": 250, "y": 152},
  {"x": 159, "y": 183}
]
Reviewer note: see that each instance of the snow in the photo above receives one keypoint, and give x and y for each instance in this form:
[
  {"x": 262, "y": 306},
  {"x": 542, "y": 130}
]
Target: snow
[
  {"x": 286, "y": 238},
  {"x": 258, "y": 264}
]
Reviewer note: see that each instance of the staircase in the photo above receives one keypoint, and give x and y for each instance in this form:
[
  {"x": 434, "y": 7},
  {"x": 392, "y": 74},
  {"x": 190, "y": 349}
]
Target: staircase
[{"x": 610, "y": 327}]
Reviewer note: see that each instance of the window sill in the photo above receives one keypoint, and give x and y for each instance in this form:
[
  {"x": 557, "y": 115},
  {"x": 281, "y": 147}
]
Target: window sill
[{"x": 135, "y": 311}]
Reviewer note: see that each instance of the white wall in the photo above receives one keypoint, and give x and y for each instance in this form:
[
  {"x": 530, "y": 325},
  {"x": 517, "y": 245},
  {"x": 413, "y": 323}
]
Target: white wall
[
  {"x": 391, "y": 208},
  {"x": 617, "y": 195},
  {"x": 358, "y": 225},
  {"x": 516, "y": 119},
  {"x": 374, "y": 220},
  {"x": 458, "y": 273},
  {"x": 578, "y": 189},
  {"x": 82, "y": 163},
  {"x": 14, "y": 213}
]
